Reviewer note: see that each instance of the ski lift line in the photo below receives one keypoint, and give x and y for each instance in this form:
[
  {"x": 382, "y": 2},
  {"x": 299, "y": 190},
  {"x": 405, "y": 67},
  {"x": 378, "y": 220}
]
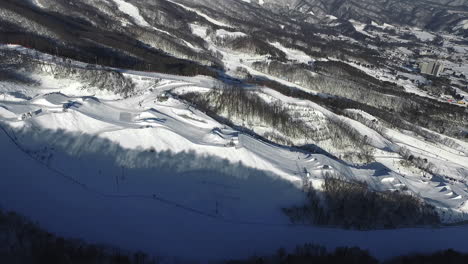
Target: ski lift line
[{"x": 173, "y": 203}]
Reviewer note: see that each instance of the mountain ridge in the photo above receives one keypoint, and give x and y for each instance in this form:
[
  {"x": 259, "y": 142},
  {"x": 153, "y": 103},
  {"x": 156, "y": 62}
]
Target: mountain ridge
[{"x": 434, "y": 15}]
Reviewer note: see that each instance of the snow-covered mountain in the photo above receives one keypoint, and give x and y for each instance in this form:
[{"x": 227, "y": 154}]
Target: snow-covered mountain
[
  {"x": 433, "y": 14},
  {"x": 142, "y": 124},
  {"x": 148, "y": 156}
]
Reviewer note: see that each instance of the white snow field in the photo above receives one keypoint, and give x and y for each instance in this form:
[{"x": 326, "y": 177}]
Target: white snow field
[{"x": 149, "y": 172}]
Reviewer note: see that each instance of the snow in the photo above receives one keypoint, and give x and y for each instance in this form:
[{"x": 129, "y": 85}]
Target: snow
[
  {"x": 462, "y": 25},
  {"x": 37, "y": 3},
  {"x": 157, "y": 225},
  {"x": 423, "y": 35},
  {"x": 170, "y": 173},
  {"x": 375, "y": 138},
  {"x": 131, "y": 11},
  {"x": 458, "y": 67},
  {"x": 221, "y": 33},
  {"x": 198, "y": 30},
  {"x": 4, "y": 113},
  {"x": 386, "y": 76},
  {"x": 293, "y": 54},
  {"x": 384, "y": 26},
  {"x": 362, "y": 113},
  {"x": 405, "y": 51},
  {"x": 208, "y": 18},
  {"x": 235, "y": 59},
  {"x": 414, "y": 77},
  {"x": 360, "y": 27}
]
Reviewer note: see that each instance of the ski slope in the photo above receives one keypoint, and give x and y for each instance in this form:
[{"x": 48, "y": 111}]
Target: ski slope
[{"x": 158, "y": 175}]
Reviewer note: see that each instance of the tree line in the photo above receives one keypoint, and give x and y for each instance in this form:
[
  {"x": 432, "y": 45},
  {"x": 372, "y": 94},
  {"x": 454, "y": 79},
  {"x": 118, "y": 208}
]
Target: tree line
[
  {"x": 312, "y": 253},
  {"x": 23, "y": 241},
  {"x": 247, "y": 109},
  {"x": 354, "y": 205},
  {"x": 18, "y": 65}
]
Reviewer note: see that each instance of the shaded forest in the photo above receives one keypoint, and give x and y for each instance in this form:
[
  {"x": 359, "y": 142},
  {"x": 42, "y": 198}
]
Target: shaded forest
[
  {"x": 24, "y": 242},
  {"x": 310, "y": 253},
  {"x": 354, "y": 205}
]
